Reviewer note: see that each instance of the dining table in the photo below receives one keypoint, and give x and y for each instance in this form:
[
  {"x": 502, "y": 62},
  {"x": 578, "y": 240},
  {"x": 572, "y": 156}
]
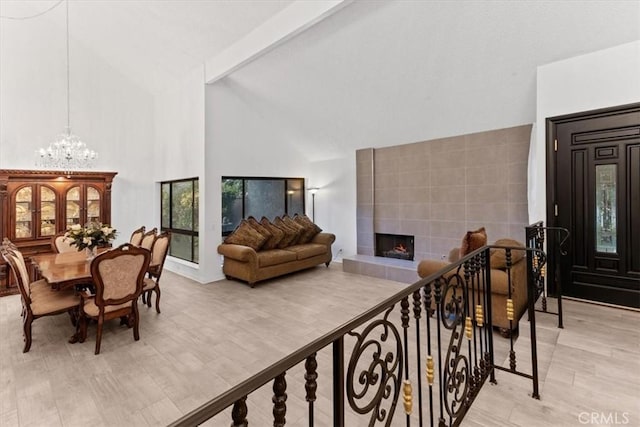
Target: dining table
[{"x": 64, "y": 270}]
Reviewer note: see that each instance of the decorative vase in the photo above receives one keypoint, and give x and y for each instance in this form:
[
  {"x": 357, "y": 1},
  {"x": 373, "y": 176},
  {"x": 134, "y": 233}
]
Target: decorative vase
[{"x": 91, "y": 252}]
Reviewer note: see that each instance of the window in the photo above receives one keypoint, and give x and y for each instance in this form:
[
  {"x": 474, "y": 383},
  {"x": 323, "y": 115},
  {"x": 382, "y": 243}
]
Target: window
[
  {"x": 244, "y": 197},
  {"x": 179, "y": 215}
]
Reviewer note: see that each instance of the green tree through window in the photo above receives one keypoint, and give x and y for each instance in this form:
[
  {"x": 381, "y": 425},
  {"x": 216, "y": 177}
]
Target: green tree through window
[
  {"x": 254, "y": 196},
  {"x": 179, "y": 215}
]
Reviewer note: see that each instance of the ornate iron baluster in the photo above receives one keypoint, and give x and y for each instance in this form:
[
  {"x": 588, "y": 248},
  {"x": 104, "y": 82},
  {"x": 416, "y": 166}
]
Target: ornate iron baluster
[
  {"x": 311, "y": 385},
  {"x": 456, "y": 371},
  {"x": 479, "y": 313},
  {"x": 279, "y": 400},
  {"x": 416, "y": 315},
  {"x": 407, "y": 390},
  {"x": 239, "y": 413},
  {"x": 429, "y": 364},
  {"x": 510, "y": 309},
  {"x": 469, "y": 274},
  {"x": 382, "y": 375},
  {"x": 439, "y": 320}
]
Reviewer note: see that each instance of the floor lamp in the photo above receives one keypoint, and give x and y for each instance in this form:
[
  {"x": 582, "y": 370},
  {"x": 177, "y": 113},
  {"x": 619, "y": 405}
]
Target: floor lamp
[{"x": 313, "y": 191}]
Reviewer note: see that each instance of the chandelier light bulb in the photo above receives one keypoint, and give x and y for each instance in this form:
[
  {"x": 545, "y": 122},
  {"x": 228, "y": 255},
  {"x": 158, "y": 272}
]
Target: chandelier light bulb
[{"x": 66, "y": 152}]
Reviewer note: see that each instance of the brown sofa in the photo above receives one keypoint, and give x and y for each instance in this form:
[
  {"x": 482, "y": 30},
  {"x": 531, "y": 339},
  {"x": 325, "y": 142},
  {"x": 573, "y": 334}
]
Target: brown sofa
[
  {"x": 245, "y": 263},
  {"x": 259, "y": 250},
  {"x": 499, "y": 283}
]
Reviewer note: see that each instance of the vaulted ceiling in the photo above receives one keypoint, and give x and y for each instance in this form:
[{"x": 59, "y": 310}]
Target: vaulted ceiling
[
  {"x": 373, "y": 73},
  {"x": 151, "y": 42}
]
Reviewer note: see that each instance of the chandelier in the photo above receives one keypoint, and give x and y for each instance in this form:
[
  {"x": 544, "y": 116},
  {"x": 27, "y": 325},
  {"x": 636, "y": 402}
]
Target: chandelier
[{"x": 67, "y": 151}]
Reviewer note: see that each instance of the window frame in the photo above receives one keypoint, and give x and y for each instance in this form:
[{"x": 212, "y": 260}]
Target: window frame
[
  {"x": 266, "y": 178},
  {"x": 194, "y": 216}
]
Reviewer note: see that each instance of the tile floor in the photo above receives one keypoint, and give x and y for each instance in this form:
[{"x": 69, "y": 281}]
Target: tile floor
[{"x": 210, "y": 337}]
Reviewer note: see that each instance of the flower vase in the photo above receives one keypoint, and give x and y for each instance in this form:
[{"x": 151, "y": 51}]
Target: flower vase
[{"x": 91, "y": 252}]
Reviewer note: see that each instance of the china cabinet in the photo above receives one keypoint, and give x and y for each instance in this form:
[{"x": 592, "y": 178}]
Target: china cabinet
[{"x": 35, "y": 205}]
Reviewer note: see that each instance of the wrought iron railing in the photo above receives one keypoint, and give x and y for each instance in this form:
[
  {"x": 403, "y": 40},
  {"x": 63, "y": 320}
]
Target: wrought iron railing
[
  {"x": 428, "y": 349},
  {"x": 535, "y": 238}
]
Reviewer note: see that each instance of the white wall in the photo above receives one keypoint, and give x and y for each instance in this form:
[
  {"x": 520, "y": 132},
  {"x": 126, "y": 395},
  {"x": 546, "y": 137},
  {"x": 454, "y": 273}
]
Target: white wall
[
  {"x": 180, "y": 150},
  {"x": 110, "y": 113},
  {"x": 386, "y": 73},
  {"x": 601, "y": 79},
  {"x": 335, "y": 205},
  {"x": 240, "y": 141}
]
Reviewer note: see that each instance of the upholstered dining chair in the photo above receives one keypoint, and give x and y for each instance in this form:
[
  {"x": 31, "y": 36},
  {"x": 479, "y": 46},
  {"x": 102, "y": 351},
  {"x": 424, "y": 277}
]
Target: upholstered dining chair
[
  {"x": 158, "y": 255},
  {"x": 148, "y": 238},
  {"x": 38, "y": 299},
  {"x": 60, "y": 245},
  {"x": 136, "y": 236},
  {"x": 118, "y": 277},
  {"x": 8, "y": 244}
]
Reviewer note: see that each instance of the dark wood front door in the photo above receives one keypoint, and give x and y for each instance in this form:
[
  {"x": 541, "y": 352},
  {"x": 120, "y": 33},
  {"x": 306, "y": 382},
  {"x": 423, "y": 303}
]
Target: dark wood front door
[{"x": 597, "y": 198}]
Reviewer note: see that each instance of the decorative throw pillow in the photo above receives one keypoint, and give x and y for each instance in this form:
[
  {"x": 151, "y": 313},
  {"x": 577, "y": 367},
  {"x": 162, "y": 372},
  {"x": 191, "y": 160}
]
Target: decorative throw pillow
[
  {"x": 499, "y": 256},
  {"x": 290, "y": 234},
  {"x": 259, "y": 228},
  {"x": 276, "y": 234},
  {"x": 473, "y": 240},
  {"x": 299, "y": 228},
  {"x": 310, "y": 229},
  {"x": 246, "y": 235}
]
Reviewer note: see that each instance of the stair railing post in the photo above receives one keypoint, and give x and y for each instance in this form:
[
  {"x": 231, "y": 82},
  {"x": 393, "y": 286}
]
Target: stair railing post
[
  {"x": 531, "y": 291},
  {"x": 338, "y": 382}
]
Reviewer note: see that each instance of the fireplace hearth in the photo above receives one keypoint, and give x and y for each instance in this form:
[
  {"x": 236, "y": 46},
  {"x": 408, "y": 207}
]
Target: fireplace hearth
[{"x": 395, "y": 246}]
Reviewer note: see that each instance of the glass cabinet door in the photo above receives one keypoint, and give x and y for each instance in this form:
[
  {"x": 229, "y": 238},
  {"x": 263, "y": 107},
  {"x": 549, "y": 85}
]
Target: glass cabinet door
[
  {"x": 24, "y": 213},
  {"x": 73, "y": 206},
  {"x": 47, "y": 212},
  {"x": 93, "y": 205}
]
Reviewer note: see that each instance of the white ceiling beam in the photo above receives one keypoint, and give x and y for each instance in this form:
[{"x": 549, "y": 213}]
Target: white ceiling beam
[{"x": 288, "y": 23}]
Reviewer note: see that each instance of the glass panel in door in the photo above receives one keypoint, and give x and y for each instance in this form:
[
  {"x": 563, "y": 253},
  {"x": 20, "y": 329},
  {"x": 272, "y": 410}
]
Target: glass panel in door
[
  {"x": 47, "y": 212},
  {"x": 93, "y": 205},
  {"x": 73, "y": 206},
  {"x": 24, "y": 218},
  {"x": 606, "y": 239}
]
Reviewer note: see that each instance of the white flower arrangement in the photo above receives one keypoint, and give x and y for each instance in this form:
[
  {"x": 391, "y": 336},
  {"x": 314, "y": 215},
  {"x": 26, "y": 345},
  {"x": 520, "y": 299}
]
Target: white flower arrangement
[{"x": 91, "y": 236}]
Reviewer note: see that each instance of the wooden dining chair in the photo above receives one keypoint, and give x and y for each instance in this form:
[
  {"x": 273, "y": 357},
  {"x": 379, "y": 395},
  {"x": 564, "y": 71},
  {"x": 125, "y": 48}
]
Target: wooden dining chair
[
  {"x": 118, "y": 277},
  {"x": 38, "y": 299},
  {"x": 148, "y": 238},
  {"x": 136, "y": 236},
  {"x": 60, "y": 245},
  {"x": 159, "y": 252}
]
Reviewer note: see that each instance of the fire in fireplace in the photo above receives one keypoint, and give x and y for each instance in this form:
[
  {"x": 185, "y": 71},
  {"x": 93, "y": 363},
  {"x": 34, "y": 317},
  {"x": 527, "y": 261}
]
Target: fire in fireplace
[{"x": 394, "y": 246}]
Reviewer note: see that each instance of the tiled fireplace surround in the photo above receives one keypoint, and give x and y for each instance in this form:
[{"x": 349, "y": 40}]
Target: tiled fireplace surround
[{"x": 437, "y": 190}]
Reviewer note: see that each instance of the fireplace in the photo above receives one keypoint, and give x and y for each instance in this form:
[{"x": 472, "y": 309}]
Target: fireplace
[{"x": 394, "y": 246}]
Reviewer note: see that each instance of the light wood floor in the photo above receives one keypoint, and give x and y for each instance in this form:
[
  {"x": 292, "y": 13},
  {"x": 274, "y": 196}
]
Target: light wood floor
[{"x": 210, "y": 337}]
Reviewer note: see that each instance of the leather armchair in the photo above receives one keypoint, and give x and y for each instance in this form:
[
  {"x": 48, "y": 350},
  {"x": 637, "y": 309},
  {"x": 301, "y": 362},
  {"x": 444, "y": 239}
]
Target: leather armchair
[{"x": 501, "y": 279}]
